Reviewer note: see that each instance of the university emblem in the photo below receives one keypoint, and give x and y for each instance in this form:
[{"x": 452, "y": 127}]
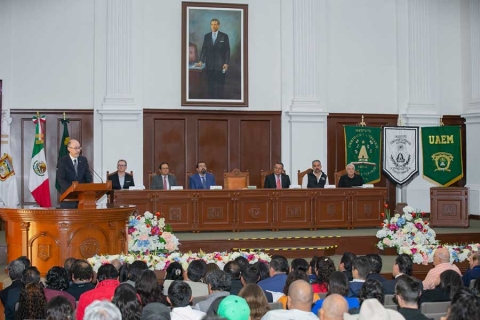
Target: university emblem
[
  {"x": 40, "y": 167},
  {"x": 400, "y": 158},
  {"x": 6, "y": 167},
  {"x": 442, "y": 161}
]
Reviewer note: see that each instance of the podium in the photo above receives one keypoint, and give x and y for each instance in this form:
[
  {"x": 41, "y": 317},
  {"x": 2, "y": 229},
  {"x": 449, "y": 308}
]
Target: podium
[
  {"x": 86, "y": 193},
  {"x": 48, "y": 236}
]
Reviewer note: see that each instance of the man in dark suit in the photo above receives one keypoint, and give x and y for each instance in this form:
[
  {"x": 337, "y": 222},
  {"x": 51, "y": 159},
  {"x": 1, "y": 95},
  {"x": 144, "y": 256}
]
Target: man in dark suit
[
  {"x": 11, "y": 294},
  {"x": 216, "y": 55},
  {"x": 164, "y": 180},
  {"x": 72, "y": 167},
  {"x": 278, "y": 179},
  {"x": 202, "y": 179},
  {"x": 121, "y": 179},
  {"x": 403, "y": 265}
]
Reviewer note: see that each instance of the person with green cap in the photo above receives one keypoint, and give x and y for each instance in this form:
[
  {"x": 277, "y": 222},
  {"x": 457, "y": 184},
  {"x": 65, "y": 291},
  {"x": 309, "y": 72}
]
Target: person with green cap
[{"x": 234, "y": 308}]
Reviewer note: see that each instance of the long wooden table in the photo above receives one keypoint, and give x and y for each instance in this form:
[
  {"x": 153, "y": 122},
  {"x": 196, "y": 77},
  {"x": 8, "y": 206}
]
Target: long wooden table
[{"x": 236, "y": 210}]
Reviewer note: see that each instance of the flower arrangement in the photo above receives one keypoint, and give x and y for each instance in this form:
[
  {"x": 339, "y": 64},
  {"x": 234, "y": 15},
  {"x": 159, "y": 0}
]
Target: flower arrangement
[
  {"x": 150, "y": 234},
  {"x": 161, "y": 262}
]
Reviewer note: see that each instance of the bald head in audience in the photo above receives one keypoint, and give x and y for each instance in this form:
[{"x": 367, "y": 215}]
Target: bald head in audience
[
  {"x": 333, "y": 307},
  {"x": 300, "y": 296},
  {"x": 441, "y": 255}
]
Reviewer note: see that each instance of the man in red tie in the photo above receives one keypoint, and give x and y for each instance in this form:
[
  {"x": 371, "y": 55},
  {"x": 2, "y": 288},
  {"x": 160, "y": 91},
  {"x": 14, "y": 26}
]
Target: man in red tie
[
  {"x": 164, "y": 180},
  {"x": 278, "y": 179}
]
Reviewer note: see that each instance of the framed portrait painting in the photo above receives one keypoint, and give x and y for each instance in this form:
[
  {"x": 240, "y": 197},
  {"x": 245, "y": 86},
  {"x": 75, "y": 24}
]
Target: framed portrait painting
[{"x": 214, "y": 54}]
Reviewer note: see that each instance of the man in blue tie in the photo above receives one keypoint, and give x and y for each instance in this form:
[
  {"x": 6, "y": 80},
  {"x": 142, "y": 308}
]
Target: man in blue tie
[{"x": 202, "y": 179}]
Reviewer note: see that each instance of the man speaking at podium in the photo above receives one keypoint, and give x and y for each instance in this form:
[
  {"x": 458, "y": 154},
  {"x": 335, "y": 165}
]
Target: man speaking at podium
[{"x": 72, "y": 167}]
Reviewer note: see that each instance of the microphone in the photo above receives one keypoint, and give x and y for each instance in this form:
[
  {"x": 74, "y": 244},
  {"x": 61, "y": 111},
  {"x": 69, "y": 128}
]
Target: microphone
[{"x": 95, "y": 173}]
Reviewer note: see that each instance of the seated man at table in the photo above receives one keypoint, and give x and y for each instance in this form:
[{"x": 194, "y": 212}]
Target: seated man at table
[
  {"x": 202, "y": 179},
  {"x": 164, "y": 180},
  {"x": 278, "y": 179},
  {"x": 350, "y": 179},
  {"x": 121, "y": 179},
  {"x": 317, "y": 178}
]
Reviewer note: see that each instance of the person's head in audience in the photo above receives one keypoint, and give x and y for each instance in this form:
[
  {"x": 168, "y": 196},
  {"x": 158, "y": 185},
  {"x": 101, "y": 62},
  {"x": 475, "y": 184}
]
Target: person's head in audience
[
  {"x": 333, "y": 307},
  {"x": 312, "y": 265},
  {"x": 218, "y": 280},
  {"x": 125, "y": 298},
  {"x": 278, "y": 264},
  {"x": 450, "y": 281},
  {"x": 234, "y": 308},
  {"x": 32, "y": 302},
  {"x": 242, "y": 262},
  {"x": 263, "y": 270},
  {"x": 148, "y": 289},
  {"x": 441, "y": 255},
  {"x": 107, "y": 272},
  {"x": 196, "y": 270},
  {"x": 299, "y": 264},
  {"x": 361, "y": 268},
  {"x": 123, "y": 273},
  {"x": 338, "y": 283},
  {"x": 300, "y": 296},
  {"x": 251, "y": 274},
  {"x": 346, "y": 261},
  {"x": 211, "y": 267},
  {"x": 116, "y": 263},
  {"x": 324, "y": 268},
  {"x": 82, "y": 272},
  {"x": 179, "y": 294},
  {"x": 155, "y": 311},
  {"x": 68, "y": 264},
  {"x": 59, "y": 308},
  {"x": 292, "y": 277},
  {"x": 15, "y": 270},
  {"x": 376, "y": 262},
  {"x": 371, "y": 289},
  {"x": 57, "y": 279},
  {"x": 403, "y": 265},
  {"x": 407, "y": 292},
  {"x": 372, "y": 309},
  {"x": 256, "y": 300},
  {"x": 102, "y": 310},
  {"x": 233, "y": 269},
  {"x": 174, "y": 271},
  {"x": 26, "y": 262},
  {"x": 135, "y": 269},
  {"x": 464, "y": 306},
  {"x": 474, "y": 260},
  {"x": 30, "y": 275}
]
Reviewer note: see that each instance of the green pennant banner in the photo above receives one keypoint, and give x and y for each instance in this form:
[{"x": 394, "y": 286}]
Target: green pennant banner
[
  {"x": 362, "y": 148},
  {"x": 442, "y": 154},
  {"x": 63, "y": 151}
]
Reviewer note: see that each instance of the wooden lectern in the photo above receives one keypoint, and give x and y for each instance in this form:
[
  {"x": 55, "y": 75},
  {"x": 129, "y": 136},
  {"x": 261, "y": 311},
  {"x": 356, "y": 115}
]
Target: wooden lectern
[{"x": 86, "y": 193}]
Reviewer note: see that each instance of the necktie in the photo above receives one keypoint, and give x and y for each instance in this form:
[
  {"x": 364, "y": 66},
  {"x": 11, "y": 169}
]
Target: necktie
[
  {"x": 279, "y": 185},
  {"x": 75, "y": 166},
  {"x": 214, "y": 37},
  {"x": 165, "y": 183},
  {"x": 204, "y": 185}
]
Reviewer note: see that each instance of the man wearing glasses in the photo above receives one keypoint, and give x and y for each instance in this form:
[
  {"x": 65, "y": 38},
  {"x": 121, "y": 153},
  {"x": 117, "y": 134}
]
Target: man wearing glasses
[
  {"x": 72, "y": 167},
  {"x": 121, "y": 179}
]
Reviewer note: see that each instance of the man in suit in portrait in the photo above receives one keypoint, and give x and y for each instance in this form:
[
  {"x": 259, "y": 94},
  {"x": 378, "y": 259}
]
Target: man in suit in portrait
[
  {"x": 202, "y": 179},
  {"x": 216, "y": 55},
  {"x": 164, "y": 180},
  {"x": 278, "y": 179},
  {"x": 72, "y": 167},
  {"x": 121, "y": 179}
]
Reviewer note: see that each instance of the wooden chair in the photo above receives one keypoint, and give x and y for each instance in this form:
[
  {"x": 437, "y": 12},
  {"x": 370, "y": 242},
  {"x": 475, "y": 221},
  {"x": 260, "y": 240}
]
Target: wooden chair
[
  {"x": 110, "y": 193},
  {"x": 300, "y": 175},
  {"x": 339, "y": 174},
  {"x": 236, "y": 179},
  {"x": 263, "y": 174}
]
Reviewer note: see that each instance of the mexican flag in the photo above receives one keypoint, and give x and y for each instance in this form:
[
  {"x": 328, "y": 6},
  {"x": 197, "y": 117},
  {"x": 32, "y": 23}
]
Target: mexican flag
[
  {"x": 63, "y": 151},
  {"x": 38, "y": 182}
]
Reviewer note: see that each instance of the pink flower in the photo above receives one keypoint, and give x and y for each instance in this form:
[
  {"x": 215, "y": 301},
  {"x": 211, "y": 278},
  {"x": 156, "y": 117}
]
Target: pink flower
[
  {"x": 170, "y": 246},
  {"x": 143, "y": 237}
]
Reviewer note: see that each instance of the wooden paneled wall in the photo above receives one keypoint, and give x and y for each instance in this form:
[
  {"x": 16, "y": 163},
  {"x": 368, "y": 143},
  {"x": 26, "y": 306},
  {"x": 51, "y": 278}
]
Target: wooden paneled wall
[
  {"x": 223, "y": 139},
  {"x": 22, "y": 138}
]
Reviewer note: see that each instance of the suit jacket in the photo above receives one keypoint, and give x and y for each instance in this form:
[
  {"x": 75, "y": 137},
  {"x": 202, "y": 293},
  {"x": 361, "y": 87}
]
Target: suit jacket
[
  {"x": 196, "y": 182},
  {"x": 389, "y": 285},
  {"x": 270, "y": 181},
  {"x": 157, "y": 181},
  {"x": 116, "y": 181},
  {"x": 66, "y": 172},
  {"x": 9, "y": 297},
  {"x": 215, "y": 55}
]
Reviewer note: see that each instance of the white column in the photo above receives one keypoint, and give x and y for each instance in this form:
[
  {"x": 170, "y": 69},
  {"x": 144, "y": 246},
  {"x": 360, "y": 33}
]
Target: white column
[
  {"x": 118, "y": 117},
  {"x": 474, "y": 88}
]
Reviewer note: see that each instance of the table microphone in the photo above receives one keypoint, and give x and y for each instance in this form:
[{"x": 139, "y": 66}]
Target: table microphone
[{"x": 96, "y": 173}]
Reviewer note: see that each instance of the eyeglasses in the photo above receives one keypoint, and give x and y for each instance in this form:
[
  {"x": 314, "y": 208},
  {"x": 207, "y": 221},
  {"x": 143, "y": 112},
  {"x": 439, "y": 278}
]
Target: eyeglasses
[
  {"x": 121, "y": 165},
  {"x": 76, "y": 148}
]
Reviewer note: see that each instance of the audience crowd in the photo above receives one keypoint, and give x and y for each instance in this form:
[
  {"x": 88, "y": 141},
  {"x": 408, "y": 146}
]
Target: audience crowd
[{"x": 303, "y": 290}]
